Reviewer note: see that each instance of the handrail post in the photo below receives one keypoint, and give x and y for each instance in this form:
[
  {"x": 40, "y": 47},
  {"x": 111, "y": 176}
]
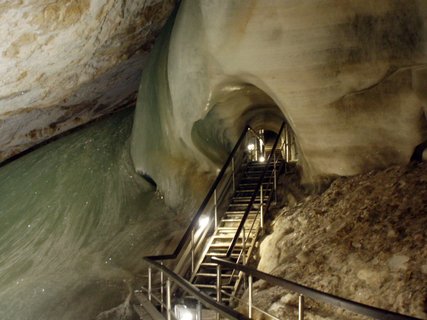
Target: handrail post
[
  {"x": 218, "y": 283},
  {"x": 232, "y": 169},
  {"x": 198, "y": 310},
  {"x": 250, "y": 296},
  {"x": 275, "y": 178},
  {"x": 168, "y": 299},
  {"x": 301, "y": 307},
  {"x": 149, "y": 283},
  {"x": 287, "y": 143},
  {"x": 161, "y": 288},
  {"x": 243, "y": 246},
  {"x": 216, "y": 210},
  {"x": 192, "y": 252},
  {"x": 261, "y": 200}
]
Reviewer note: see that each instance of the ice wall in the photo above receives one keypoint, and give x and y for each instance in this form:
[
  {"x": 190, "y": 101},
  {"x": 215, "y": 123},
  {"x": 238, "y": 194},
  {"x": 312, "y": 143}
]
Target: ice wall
[
  {"x": 349, "y": 77},
  {"x": 75, "y": 220}
]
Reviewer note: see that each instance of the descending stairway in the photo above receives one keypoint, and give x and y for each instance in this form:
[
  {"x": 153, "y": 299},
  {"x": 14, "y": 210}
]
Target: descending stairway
[
  {"x": 205, "y": 274},
  {"x": 226, "y": 225},
  {"x": 201, "y": 279}
]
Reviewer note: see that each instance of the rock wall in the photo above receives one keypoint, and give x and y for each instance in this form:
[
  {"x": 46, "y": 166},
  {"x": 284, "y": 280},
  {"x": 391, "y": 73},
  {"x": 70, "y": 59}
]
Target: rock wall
[
  {"x": 363, "y": 239},
  {"x": 63, "y": 63}
]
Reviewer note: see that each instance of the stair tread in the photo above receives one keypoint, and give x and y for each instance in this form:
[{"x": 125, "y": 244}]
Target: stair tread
[
  {"x": 221, "y": 254},
  {"x": 235, "y": 220},
  {"x": 213, "y": 275},
  {"x": 211, "y": 286},
  {"x": 224, "y": 245}
]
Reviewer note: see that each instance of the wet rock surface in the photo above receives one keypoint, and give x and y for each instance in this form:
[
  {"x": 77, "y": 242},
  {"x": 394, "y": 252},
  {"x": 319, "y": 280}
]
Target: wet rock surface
[{"x": 363, "y": 239}]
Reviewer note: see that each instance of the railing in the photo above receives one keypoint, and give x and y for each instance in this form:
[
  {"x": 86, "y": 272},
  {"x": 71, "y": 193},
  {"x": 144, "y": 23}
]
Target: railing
[
  {"x": 314, "y": 294},
  {"x": 200, "y": 297},
  {"x": 194, "y": 236},
  {"x": 258, "y": 190},
  {"x": 254, "y": 229}
]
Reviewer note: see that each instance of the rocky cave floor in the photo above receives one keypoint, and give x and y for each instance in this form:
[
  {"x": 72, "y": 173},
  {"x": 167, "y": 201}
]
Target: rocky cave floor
[{"x": 363, "y": 239}]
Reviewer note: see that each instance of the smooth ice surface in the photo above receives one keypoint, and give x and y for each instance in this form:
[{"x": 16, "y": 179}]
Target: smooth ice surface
[
  {"x": 349, "y": 78},
  {"x": 75, "y": 221},
  {"x": 181, "y": 171}
]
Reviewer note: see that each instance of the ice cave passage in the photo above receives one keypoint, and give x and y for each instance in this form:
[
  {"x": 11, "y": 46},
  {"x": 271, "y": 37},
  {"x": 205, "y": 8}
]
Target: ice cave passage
[{"x": 76, "y": 214}]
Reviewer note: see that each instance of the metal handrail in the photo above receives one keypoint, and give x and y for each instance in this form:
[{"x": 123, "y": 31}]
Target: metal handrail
[
  {"x": 225, "y": 293},
  {"x": 205, "y": 202},
  {"x": 241, "y": 253},
  {"x": 317, "y": 295},
  {"x": 192, "y": 290},
  {"x": 249, "y": 207}
]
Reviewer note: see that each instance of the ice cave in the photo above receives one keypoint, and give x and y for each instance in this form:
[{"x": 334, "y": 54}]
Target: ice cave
[{"x": 213, "y": 159}]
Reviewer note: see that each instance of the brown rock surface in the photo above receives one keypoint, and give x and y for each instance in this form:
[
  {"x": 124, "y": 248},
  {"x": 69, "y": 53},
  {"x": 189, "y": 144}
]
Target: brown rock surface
[{"x": 363, "y": 239}]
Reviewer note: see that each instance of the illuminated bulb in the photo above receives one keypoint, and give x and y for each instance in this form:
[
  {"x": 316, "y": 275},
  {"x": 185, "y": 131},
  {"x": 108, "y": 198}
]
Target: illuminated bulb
[
  {"x": 186, "y": 315},
  {"x": 261, "y": 159},
  {"x": 203, "y": 222},
  {"x": 251, "y": 147}
]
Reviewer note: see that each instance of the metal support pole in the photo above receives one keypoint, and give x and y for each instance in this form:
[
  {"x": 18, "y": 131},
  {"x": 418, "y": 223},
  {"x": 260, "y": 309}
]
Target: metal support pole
[
  {"x": 301, "y": 307},
  {"x": 161, "y": 289},
  {"x": 216, "y": 211},
  {"x": 192, "y": 251},
  {"x": 243, "y": 246},
  {"x": 287, "y": 143},
  {"x": 232, "y": 169},
  {"x": 149, "y": 283},
  {"x": 256, "y": 150},
  {"x": 168, "y": 299},
  {"x": 198, "y": 310},
  {"x": 218, "y": 284},
  {"x": 261, "y": 200},
  {"x": 275, "y": 178},
  {"x": 250, "y": 296}
]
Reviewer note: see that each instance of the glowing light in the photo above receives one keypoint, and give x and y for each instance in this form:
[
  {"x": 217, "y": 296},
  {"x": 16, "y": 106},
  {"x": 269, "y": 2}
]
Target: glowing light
[
  {"x": 251, "y": 147},
  {"x": 186, "y": 315},
  {"x": 261, "y": 159},
  {"x": 203, "y": 222},
  {"x": 182, "y": 312}
]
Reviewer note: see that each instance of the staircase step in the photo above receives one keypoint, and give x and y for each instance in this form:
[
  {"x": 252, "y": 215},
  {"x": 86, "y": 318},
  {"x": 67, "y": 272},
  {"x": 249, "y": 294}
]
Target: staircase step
[
  {"x": 253, "y": 184},
  {"x": 225, "y": 245},
  {"x": 226, "y": 220},
  {"x": 212, "y": 286},
  {"x": 213, "y": 275},
  {"x": 240, "y": 212},
  {"x": 229, "y": 236},
  {"x": 250, "y": 189},
  {"x": 221, "y": 254},
  {"x": 241, "y": 205},
  {"x": 225, "y": 249},
  {"x": 247, "y": 198}
]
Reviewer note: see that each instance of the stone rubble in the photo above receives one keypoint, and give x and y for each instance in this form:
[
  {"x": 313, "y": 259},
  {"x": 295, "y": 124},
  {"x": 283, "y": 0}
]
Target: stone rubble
[{"x": 363, "y": 239}]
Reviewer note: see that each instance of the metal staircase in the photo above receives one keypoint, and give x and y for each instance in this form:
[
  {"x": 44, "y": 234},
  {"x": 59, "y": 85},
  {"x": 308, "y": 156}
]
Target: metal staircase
[
  {"x": 226, "y": 225},
  {"x": 205, "y": 275}
]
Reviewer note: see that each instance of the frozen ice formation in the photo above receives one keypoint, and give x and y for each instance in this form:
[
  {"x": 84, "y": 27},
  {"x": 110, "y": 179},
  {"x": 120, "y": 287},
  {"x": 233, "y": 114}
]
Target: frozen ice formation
[{"x": 349, "y": 77}]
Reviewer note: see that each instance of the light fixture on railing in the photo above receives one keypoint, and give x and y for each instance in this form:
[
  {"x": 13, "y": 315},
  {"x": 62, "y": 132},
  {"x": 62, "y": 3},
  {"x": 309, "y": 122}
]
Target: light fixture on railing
[
  {"x": 182, "y": 312},
  {"x": 261, "y": 159},
  {"x": 203, "y": 222},
  {"x": 251, "y": 147}
]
